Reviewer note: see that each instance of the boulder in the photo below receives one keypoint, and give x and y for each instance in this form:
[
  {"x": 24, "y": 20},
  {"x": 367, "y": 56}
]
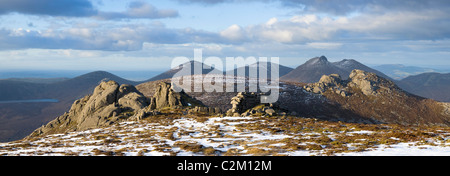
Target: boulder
[
  {"x": 165, "y": 96},
  {"x": 270, "y": 111},
  {"x": 446, "y": 107},
  {"x": 205, "y": 110},
  {"x": 244, "y": 101},
  {"x": 134, "y": 101},
  {"x": 331, "y": 82}
]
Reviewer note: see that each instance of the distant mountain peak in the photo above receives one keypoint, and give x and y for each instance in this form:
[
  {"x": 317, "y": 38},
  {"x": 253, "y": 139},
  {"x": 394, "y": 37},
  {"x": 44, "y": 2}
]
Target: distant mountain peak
[
  {"x": 349, "y": 60},
  {"x": 322, "y": 60},
  {"x": 315, "y": 68},
  {"x": 347, "y": 63}
]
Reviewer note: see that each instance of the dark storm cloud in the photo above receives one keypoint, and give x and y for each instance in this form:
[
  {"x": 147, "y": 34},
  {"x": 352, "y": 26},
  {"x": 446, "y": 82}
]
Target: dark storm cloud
[
  {"x": 82, "y": 8},
  {"x": 70, "y": 8}
]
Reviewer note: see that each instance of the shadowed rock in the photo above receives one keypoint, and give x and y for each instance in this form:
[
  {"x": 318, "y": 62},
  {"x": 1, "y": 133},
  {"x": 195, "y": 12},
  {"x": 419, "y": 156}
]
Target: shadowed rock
[{"x": 165, "y": 96}]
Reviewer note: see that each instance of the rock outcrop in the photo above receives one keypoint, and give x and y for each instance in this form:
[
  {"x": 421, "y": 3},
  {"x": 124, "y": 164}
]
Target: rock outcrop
[
  {"x": 367, "y": 96},
  {"x": 165, "y": 97},
  {"x": 205, "y": 110},
  {"x": 331, "y": 82},
  {"x": 109, "y": 103},
  {"x": 249, "y": 104},
  {"x": 369, "y": 83},
  {"x": 242, "y": 102},
  {"x": 264, "y": 110},
  {"x": 446, "y": 110}
]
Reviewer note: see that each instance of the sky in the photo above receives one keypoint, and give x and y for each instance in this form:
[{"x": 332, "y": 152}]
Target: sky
[{"x": 148, "y": 34}]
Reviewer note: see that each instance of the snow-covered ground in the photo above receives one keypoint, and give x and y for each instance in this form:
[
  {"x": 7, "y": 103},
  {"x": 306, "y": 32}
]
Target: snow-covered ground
[
  {"x": 404, "y": 149},
  {"x": 187, "y": 136}
]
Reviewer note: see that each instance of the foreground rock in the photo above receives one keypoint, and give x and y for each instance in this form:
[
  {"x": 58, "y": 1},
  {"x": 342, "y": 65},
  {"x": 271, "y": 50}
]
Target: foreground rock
[{"x": 109, "y": 103}]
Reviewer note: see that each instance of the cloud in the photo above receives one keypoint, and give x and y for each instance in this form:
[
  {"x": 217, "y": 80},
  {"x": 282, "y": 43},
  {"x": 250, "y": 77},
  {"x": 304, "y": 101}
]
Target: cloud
[
  {"x": 341, "y": 7},
  {"x": 205, "y": 2},
  {"x": 319, "y": 45},
  {"x": 310, "y": 30},
  {"x": 68, "y": 8},
  {"x": 139, "y": 9},
  {"x": 234, "y": 33},
  {"x": 83, "y": 8},
  {"x": 344, "y": 7},
  {"x": 117, "y": 38}
]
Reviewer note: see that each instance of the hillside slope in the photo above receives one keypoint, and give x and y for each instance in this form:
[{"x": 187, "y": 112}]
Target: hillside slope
[{"x": 430, "y": 85}]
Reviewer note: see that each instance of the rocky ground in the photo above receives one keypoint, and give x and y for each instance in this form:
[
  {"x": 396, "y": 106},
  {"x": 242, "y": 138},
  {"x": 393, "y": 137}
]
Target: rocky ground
[{"x": 180, "y": 135}]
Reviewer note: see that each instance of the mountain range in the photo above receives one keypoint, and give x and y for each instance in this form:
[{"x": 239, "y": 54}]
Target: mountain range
[
  {"x": 430, "y": 85},
  {"x": 399, "y": 71},
  {"x": 315, "y": 68},
  {"x": 192, "y": 64},
  {"x": 19, "y": 119},
  {"x": 265, "y": 68}
]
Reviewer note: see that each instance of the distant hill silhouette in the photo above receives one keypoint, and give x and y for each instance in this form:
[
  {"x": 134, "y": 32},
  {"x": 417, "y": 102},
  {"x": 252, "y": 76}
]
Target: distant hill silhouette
[
  {"x": 430, "y": 85},
  {"x": 170, "y": 73},
  {"x": 351, "y": 64},
  {"x": 399, "y": 71},
  {"x": 282, "y": 70}
]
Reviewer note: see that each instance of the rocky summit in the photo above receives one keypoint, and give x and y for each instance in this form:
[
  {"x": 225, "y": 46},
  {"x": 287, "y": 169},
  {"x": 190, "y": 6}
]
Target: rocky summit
[
  {"x": 368, "y": 83},
  {"x": 370, "y": 96}
]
